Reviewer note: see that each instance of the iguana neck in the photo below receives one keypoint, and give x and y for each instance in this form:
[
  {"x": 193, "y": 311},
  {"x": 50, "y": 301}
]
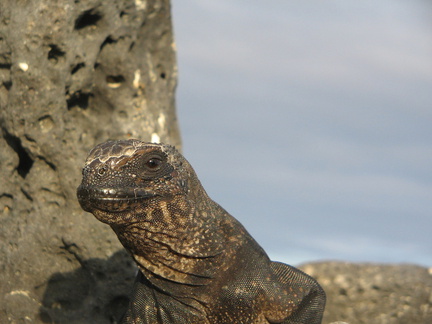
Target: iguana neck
[{"x": 174, "y": 241}]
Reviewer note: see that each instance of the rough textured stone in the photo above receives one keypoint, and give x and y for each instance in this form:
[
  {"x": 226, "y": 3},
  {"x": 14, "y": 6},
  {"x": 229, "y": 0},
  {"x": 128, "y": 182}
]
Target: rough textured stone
[
  {"x": 72, "y": 74},
  {"x": 373, "y": 293}
]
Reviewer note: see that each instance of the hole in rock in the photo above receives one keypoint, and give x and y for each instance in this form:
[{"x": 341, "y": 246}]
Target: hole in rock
[
  {"x": 55, "y": 52},
  {"x": 7, "y": 85},
  {"x": 5, "y": 66},
  {"x": 77, "y": 67},
  {"x": 79, "y": 99},
  {"x": 87, "y": 18},
  {"x": 108, "y": 40},
  {"x": 25, "y": 161}
]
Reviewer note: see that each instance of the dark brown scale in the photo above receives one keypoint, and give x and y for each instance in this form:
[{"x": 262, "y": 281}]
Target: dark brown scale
[{"x": 197, "y": 263}]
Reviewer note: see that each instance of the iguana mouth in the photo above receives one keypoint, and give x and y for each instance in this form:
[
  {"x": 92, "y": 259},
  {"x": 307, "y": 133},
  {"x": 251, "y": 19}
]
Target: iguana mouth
[
  {"x": 111, "y": 199},
  {"x": 115, "y": 194}
]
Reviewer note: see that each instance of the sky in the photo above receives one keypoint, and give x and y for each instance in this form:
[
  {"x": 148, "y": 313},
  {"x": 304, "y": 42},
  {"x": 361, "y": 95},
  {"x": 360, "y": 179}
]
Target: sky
[{"x": 311, "y": 122}]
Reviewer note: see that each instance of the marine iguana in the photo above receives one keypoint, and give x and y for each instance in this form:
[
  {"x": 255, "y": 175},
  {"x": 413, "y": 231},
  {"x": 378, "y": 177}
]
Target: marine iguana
[{"x": 197, "y": 263}]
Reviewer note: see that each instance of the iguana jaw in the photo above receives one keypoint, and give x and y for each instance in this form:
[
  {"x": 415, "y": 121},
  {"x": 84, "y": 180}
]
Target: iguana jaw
[{"x": 111, "y": 199}]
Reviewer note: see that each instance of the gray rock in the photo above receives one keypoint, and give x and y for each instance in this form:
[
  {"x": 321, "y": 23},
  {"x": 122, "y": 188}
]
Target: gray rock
[
  {"x": 373, "y": 293},
  {"x": 73, "y": 74}
]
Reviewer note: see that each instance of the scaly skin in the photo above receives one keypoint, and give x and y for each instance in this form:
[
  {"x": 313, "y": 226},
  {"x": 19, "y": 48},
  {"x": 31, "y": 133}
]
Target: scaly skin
[{"x": 197, "y": 263}]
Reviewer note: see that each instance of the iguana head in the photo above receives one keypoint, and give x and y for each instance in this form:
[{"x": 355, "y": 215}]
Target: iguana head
[
  {"x": 124, "y": 177},
  {"x": 150, "y": 195}
]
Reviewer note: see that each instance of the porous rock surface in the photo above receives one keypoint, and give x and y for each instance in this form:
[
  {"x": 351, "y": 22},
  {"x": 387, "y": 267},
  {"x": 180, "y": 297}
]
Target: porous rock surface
[
  {"x": 73, "y": 73},
  {"x": 375, "y": 293}
]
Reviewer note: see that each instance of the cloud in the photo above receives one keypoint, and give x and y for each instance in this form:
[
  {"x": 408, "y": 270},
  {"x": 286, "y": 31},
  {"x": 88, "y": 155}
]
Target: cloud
[{"x": 312, "y": 120}]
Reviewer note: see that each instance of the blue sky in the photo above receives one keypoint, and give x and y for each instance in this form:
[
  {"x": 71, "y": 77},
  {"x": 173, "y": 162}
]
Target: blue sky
[{"x": 311, "y": 122}]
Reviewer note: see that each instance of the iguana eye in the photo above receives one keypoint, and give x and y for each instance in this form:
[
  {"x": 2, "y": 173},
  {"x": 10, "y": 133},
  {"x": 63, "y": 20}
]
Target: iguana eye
[
  {"x": 153, "y": 163},
  {"x": 102, "y": 170}
]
